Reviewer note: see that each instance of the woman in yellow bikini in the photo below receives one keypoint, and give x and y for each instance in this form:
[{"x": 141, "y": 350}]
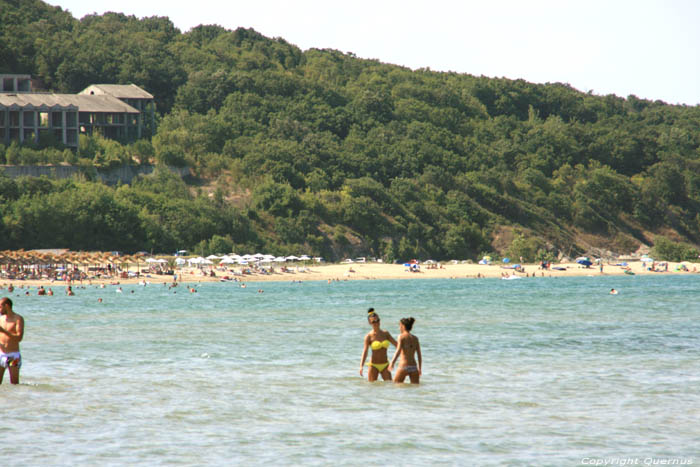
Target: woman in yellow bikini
[{"x": 379, "y": 340}]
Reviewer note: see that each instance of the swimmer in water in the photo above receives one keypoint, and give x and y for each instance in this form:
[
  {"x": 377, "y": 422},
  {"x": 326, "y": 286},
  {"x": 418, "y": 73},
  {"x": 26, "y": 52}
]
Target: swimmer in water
[
  {"x": 11, "y": 334},
  {"x": 378, "y": 339},
  {"x": 613, "y": 292},
  {"x": 408, "y": 346}
]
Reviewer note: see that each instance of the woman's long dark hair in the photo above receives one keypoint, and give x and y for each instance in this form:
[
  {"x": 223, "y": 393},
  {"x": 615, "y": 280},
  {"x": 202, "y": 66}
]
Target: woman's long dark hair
[{"x": 408, "y": 323}]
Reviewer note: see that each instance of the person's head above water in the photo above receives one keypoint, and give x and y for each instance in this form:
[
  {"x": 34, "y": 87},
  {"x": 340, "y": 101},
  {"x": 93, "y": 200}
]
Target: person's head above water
[
  {"x": 372, "y": 316},
  {"x": 408, "y": 323}
]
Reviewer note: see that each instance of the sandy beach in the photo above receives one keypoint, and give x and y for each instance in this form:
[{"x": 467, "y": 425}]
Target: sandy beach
[{"x": 375, "y": 271}]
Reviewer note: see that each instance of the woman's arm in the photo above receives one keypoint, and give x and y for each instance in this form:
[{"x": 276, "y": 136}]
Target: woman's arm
[
  {"x": 364, "y": 354},
  {"x": 391, "y": 339},
  {"x": 420, "y": 357},
  {"x": 399, "y": 349}
]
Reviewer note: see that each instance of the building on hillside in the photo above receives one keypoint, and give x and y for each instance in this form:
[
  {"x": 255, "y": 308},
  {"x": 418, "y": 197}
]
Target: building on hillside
[
  {"x": 30, "y": 117},
  {"x": 131, "y": 95},
  {"x": 113, "y": 111}
]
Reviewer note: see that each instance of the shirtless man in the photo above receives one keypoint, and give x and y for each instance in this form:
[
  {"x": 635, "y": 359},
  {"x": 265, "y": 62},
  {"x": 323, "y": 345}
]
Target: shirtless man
[{"x": 11, "y": 333}]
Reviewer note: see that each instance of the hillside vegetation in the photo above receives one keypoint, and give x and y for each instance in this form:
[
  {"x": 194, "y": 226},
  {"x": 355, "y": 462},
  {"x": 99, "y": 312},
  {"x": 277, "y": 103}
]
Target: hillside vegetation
[{"x": 325, "y": 153}]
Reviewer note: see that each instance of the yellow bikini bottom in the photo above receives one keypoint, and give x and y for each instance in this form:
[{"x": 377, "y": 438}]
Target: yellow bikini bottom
[{"x": 379, "y": 366}]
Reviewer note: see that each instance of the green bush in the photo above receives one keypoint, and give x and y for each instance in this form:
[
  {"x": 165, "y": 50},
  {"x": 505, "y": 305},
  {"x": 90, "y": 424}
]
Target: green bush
[{"x": 668, "y": 250}]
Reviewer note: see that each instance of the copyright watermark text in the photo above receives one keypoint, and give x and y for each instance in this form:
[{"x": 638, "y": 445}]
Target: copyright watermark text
[{"x": 622, "y": 461}]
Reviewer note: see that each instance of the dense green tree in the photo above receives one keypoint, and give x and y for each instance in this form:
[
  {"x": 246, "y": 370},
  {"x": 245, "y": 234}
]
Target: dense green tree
[{"x": 324, "y": 151}]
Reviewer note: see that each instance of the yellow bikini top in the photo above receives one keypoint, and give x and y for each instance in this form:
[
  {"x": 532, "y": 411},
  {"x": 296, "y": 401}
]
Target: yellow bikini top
[{"x": 376, "y": 345}]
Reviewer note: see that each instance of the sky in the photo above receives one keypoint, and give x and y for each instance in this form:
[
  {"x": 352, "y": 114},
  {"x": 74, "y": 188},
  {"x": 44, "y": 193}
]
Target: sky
[{"x": 649, "y": 48}]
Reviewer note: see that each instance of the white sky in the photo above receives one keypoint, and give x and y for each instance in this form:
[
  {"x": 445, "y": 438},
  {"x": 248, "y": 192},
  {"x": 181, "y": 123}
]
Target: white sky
[{"x": 649, "y": 48}]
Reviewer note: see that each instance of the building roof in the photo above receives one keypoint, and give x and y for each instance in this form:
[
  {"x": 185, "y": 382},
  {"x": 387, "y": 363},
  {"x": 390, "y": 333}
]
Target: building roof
[
  {"x": 120, "y": 91},
  {"x": 83, "y": 102},
  {"x": 15, "y": 75}
]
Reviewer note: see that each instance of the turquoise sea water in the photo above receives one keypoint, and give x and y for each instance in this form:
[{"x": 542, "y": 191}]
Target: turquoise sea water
[{"x": 545, "y": 371}]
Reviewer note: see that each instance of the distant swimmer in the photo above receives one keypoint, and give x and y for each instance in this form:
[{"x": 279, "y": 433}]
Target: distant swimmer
[
  {"x": 408, "y": 346},
  {"x": 69, "y": 291},
  {"x": 379, "y": 340},
  {"x": 11, "y": 333},
  {"x": 613, "y": 292}
]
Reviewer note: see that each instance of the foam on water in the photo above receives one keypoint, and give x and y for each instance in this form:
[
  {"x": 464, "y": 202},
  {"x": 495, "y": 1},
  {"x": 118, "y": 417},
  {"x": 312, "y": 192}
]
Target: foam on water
[{"x": 538, "y": 371}]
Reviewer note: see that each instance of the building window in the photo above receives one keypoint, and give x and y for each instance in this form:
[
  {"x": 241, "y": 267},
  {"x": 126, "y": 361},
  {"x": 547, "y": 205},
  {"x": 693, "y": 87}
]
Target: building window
[
  {"x": 58, "y": 135},
  {"x": 8, "y": 85},
  {"x": 14, "y": 118},
  {"x": 14, "y": 134},
  {"x": 28, "y": 118},
  {"x": 71, "y": 119},
  {"x": 72, "y": 137},
  {"x": 44, "y": 119},
  {"x": 24, "y": 85},
  {"x": 46, "y": 136},
  {"x": 2, "y": 118},
  {"x": 29, "y": 134},
  {"x": 56, "y": 119}
]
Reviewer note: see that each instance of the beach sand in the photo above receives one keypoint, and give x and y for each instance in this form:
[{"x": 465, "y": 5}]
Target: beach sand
[{"x": 370, "y": 271}]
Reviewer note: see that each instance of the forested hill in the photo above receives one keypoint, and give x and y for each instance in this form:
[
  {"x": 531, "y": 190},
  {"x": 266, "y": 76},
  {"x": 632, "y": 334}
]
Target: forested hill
[{"x": 325, "y": 153}]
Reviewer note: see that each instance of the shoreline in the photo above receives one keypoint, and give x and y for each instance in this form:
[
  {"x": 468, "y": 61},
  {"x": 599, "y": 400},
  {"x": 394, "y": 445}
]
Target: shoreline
[{"x": 368, "y": 271}]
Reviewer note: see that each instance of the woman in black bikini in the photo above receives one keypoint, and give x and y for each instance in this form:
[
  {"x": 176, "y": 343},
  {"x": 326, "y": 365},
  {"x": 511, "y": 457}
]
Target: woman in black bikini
[{"x": 408, "y": 346}]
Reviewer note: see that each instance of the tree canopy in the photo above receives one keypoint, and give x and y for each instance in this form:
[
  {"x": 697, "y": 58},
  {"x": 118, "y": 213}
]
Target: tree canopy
[{"x": 336, "y": 155}]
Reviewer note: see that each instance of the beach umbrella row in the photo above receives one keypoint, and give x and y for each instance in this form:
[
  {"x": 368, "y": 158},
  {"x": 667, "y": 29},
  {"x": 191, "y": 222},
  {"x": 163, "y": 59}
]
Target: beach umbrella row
[
  {"x": 78, "y": 258},
  {"x": 28, "y": 258}
]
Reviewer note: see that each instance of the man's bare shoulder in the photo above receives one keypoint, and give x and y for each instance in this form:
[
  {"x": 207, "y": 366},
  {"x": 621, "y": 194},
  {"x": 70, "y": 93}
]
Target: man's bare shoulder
[{"x": 16, "y": 318}]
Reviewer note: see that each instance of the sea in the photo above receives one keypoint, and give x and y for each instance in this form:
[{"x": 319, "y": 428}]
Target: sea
[{"x": 538, "y": 371}]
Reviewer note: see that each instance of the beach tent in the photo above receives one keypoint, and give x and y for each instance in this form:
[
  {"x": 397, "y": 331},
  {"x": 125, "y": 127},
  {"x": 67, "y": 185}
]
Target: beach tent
[
  {"x": 584, "y": 262},
  {"x": 506, "y": 260},
  {"x": 304, "y": 258},
  {"x": 646, "y": 259},
  {"x": 279, "y": 259},
  {"x": 228, "y": 260},
  {"x": 180, "y": 261},
  {"x": 292, "y": 258}
]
